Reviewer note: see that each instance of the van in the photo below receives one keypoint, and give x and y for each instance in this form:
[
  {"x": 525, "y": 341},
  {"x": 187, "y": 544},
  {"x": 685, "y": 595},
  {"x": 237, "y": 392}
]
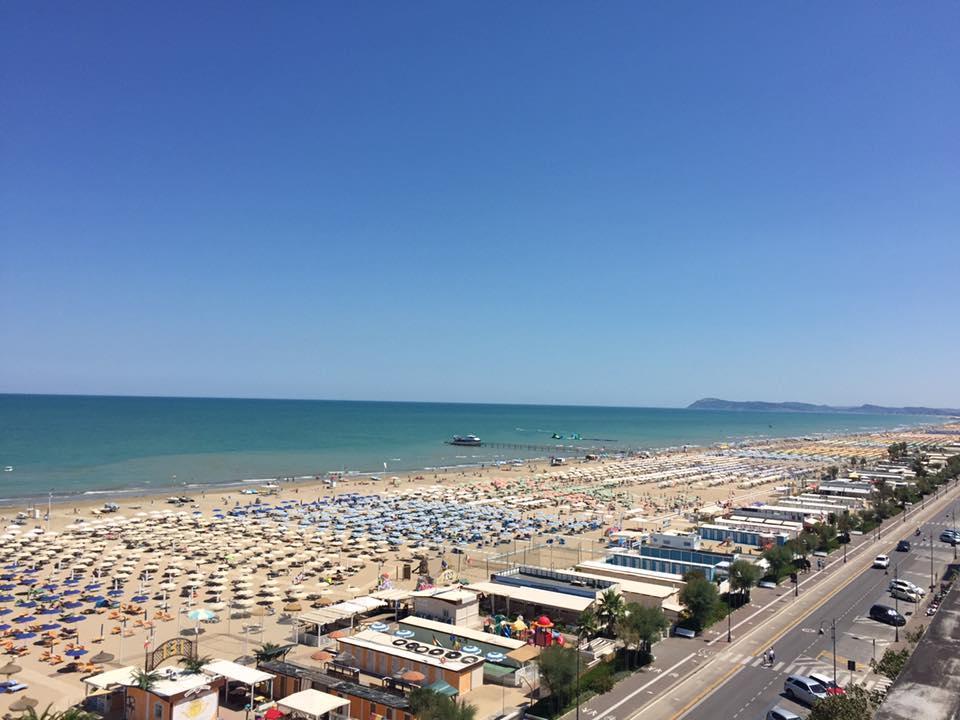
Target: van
[
  {"x": 887, "y": 615},
  {"x": 804, "y": 689},
  {"x": 901, "y": 593}
]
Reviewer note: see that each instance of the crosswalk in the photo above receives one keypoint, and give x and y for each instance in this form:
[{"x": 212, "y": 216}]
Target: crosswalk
[{"x": 802, "y": 665}]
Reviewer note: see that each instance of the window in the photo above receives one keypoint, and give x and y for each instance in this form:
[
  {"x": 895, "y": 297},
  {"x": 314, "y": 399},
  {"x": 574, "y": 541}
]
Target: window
[{"x": 158, "y": 710}]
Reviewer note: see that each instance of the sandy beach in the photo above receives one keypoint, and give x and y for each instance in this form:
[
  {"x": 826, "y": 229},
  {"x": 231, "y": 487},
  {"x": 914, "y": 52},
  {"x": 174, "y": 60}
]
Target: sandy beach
[{"x": 252, "y": 562}]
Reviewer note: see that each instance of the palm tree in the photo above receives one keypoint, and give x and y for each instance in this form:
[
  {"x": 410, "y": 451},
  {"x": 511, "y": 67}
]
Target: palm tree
[
  {"x": 610, "y": 610},
  {"x": 588, "y": 625},
  {"x": 194, "y": 666},
  {"x": 465, "y": 711},
  {"x": 268, "y": 651},
  {"x": 73, "y": 713}
]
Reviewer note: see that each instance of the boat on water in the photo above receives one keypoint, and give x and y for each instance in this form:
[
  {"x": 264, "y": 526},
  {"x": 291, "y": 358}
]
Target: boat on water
[
  {"x": 471, "y": 440},
  {"x": 8, "y": 468}
]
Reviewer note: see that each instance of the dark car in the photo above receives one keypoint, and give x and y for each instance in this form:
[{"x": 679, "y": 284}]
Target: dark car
[
  {"x": 903, "y": 546},
  {"x": 887, "y": 615}
]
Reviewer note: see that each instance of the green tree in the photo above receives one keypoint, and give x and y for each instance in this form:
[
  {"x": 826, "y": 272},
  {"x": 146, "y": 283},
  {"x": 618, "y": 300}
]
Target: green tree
[
  {"x": 844, "y": 523},
  {"x": 48, "y": 713},
  {"x": 588, "y": 625},
  {"x": 891, "y": 663},
  {"x": 194, "y": 666},
  {"x": 856, "y": 704},
  {"x": 743, "y": 576},
  {"x": 642, "y": 626},
  {"x": 268, "y": 651},
  {"x": 610, "y": 609},
  {"x": 918, "y": 467},
  {"x": 429, "y": 705},
  {"x": 780, "y": 560},
  {"x": 701, "y": 601},
  {"x": 558, "y": 670}
]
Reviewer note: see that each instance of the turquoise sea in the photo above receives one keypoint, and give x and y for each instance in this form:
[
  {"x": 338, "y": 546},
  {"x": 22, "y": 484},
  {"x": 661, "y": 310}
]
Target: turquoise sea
[{"x": 74, "y": 445}]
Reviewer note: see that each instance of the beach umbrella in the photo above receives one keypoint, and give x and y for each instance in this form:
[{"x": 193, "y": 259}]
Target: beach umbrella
[
  {"x": 379, "y": 627},
  {"x": 101, "y": 657},
  {"x": 75, "y": 652},
  {"x": 201, "y": 614},
  {"x": 495, "y": 657},
  {"x": 413, "y": 676},
  {"x": 470, "y": 650},
  {"x": 24, "y": 704},
  {"x": 404, "y": 634},
  {"x": 10, "y": 669},
  {"x": 24, "y": 635},
  {"x": 25, "y": 619},
  {"x": 74, "y": 618}
]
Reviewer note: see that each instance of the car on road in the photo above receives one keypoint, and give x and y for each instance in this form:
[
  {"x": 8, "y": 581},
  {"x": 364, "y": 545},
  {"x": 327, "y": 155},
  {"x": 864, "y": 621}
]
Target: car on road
[
  {"x": 828, "y": 683},
  {"x": 881, "y": 561},
  {"x": 902, "y": 593},
  {"x": 950, "y": 536},
  {"x": 803, "y": 689},
  {"x": 903, "y": 546},
  {"x": 887, "y": 615},
  {"x": 907, "y": 585},
  {"x": 779, "y": 713}
]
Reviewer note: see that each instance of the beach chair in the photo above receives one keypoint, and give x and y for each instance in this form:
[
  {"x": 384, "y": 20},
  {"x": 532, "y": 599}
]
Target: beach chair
[{"x": 16, "y": 687}]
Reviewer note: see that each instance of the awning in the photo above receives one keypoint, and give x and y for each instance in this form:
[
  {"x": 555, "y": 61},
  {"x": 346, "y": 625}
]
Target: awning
[
  {"x": 524, "y": 654},
  {"x": 443, "y": 688},
  {"x": 312, "y": 703},
  {"x": 236, "y": 672},
  {"x": 106, "y": 680}
]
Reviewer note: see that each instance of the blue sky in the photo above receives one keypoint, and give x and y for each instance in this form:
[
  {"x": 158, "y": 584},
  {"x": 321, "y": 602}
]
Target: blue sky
[{"x": 617, "y": 203}]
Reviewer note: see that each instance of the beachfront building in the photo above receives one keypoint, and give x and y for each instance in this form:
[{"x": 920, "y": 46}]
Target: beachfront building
[
  {"x": 513, "y": 660},
  {"x": 762, "y": 537},
  {"x": 451, "y": 604},
  {"x": 605, "y": 569},
  {"x": 375, "y": 702},
  {"x": 382, "y": 655},
  {"x": 843, "y": 487},
  {"x": 313, "y": 624},
  {"x": 511, "y": 600},
  {"x": 177, "y": 695},
  {"x": 807, "y": 516}
]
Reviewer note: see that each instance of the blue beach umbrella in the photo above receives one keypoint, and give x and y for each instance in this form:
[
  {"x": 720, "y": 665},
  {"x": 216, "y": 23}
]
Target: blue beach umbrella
[
  {"x": 72, "y": 605},
  {"x": 7, "y": 598},
  {"x": 94, "y": 598},
  {"x": 24, "y": 635},
  {"x": 6, "y": 611},
  {"x": 47, "y": 627},
  {"x": 404, "y": 634},
  {"x": 75, "y": 652},
  {"x": 4, "y": 627},
  {"x": 74, "y": 618},
  {"x": 495, "y": 657},
  {"x": 379, "y": 627},
  {"x": 115, "y": 593},
  {"x": 140, "y": 598},
  {"x": 48, "y": 598},
  {"x": 25, "y": 619},
  {"x": 71, "y": 592},
  {"x": 27, "y": 604},
  {"x": 470, "y": 650},
  {"x": 50, "y": 587},
  {"x": 49, "y": 611},
  {"x": 7, "y": 587}
]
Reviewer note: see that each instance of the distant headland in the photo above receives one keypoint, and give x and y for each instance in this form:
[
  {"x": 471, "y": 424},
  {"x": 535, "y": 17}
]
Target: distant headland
[{"x": 760, "y": 406}]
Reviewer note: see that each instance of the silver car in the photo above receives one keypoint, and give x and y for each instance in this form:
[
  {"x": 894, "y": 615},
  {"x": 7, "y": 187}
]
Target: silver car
[{"x": 804, "y": 689}]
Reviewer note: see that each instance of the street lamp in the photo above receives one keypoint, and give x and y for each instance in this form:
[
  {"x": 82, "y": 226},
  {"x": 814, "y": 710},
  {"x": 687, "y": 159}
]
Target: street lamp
[
  {"x": 729, "y": 614},
  {"x": 932, "y": 575},
  {"x": 896, "y": 603}
]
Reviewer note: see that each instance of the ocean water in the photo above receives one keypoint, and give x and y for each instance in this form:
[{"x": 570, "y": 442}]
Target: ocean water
[{"x": 75, "y": 445}]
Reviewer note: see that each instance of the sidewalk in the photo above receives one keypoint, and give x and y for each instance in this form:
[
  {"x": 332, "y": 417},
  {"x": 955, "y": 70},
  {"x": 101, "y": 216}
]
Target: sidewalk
[{"x": 661, "y": 689}]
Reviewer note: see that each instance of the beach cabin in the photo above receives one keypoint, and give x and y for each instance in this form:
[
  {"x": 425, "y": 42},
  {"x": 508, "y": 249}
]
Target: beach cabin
[
  {"x": 382, "y": 655},
  {"x": 178, "y": 695}
]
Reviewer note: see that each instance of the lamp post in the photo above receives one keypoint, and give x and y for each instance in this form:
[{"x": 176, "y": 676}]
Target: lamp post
[
  {"x": 729, "y": 615},
  {"x": 833, "y": 636},
  {"x": 932, "y": 576},
  {"x": 953, "y": 513},
  {"x": 896, "y": 604}
]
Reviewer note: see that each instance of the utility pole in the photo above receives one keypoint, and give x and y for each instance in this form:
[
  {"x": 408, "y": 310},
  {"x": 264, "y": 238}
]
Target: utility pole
[
  {"x": 833, "y": 636},
  {"x": 729, "y": 614},
  {"x": 896, "y": 603},
  {"x": 932, "y": 576},
  {"x": 953, "y": 512}
]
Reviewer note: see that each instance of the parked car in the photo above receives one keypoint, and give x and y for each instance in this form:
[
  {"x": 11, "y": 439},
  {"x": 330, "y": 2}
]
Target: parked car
[
  {"x": 828, "y": 683},
  {"x": 881, "y": 561},
  {"x": 779, "y": 713},
  {"x": 950, "y": 536},
  {"x": 804, "y": 689},
  {"x": 887, "y": 615},
  {"x": 902, "y": 593},
  {"x": 903, "y": 546},
  {"x": 906, "y": 584}
]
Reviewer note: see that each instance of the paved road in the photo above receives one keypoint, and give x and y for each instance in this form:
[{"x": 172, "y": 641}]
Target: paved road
[
  {"x": 753, "y": 689},
  {"x": 685, "y": 669}
]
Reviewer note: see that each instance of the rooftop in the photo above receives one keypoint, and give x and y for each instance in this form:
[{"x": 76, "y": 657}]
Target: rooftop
[
  {"x": 173, "y": 681},
  {"x": 545, "y": 598},
  {"x": 381, "y": 642}
]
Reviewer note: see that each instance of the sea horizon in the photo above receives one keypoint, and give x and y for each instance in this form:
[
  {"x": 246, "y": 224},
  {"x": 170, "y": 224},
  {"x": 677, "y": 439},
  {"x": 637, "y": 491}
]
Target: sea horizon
[{"x": 77, "y": 445}]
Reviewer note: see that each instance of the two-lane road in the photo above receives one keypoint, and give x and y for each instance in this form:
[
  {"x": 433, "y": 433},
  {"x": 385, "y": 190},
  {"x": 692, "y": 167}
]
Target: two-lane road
[{"x": 753, "y": 688}]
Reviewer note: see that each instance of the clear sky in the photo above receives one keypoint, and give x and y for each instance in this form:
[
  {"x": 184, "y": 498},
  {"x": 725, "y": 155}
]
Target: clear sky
[{"x": 632, "y": 203}]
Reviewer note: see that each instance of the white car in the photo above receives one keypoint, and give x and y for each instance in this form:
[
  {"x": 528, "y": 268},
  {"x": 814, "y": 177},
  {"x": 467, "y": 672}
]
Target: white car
[
  {"x": 881, "y": 561},
  {"x": 779, "y": 713},
  {"x": 907, "y": 585},
  {"x": 901, "y": 593}
]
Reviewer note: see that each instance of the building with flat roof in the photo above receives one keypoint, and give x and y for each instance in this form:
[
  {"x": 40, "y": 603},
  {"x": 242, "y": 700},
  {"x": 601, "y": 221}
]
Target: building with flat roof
[
  {"x": 530, "y": 602},
  {"x": 448, "y": 604},
  {"x": 177, "y": 695},
  {"x": 384, "y": 655},
  {"x": 605, "y": 569}
]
